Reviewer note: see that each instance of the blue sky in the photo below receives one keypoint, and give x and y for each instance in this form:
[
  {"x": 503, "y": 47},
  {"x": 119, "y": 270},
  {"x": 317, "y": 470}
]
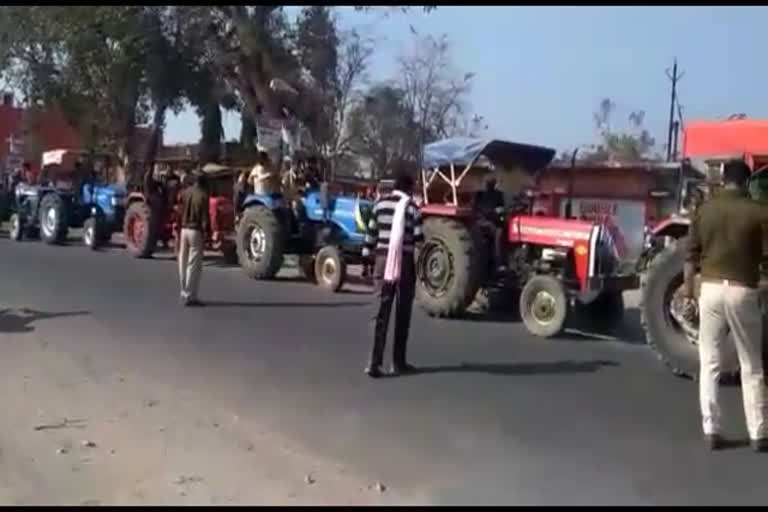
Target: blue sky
[{"x": 541, "y": 71}]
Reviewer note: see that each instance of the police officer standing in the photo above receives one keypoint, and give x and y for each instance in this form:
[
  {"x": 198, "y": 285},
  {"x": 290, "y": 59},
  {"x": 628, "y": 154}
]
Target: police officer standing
[
  {"x": 726, "y": 242},
  {"x": 195, "y": 225}
]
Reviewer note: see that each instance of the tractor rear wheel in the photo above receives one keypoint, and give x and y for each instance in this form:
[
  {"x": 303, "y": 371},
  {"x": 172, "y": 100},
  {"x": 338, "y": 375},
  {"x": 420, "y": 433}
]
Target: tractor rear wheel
[
  {"x": 54, "y": 222},
  {"x": 140, "y": 230},
  {"x": 260, "y": 243},
  {"x": 544, "y": 306},
  {"x": 668, "y": 334},
  {"x": 449, "y": 267}
]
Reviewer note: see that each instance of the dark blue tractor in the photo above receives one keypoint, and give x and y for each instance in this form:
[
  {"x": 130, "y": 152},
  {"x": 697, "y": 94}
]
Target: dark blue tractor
[
  {"x": 52, "y": 208},
  {"x": 325, "y": 232}
]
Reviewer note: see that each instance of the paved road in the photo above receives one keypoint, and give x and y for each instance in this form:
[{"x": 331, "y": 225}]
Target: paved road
[{"x": 498, "y": 417}]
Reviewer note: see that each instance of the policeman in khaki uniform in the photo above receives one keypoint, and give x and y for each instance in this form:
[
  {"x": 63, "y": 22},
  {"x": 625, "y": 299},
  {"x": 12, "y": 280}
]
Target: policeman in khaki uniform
[
  {"x": 726, "y": 242},
  {"x": 195, "y": 226}
]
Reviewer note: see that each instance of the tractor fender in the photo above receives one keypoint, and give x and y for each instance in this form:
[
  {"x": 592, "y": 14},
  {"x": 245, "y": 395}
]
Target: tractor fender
[
  {"x": 268, "y": 202},
  {"x": 675, "y": 227}
]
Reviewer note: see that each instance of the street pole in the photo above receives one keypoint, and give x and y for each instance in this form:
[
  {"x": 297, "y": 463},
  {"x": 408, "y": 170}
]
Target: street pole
[{"x": 671, "y": 128}]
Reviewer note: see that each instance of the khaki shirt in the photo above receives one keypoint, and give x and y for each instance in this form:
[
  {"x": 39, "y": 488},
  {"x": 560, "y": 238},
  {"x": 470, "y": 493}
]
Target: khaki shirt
[
  {"x": 726, "y": 237},
  {"x": 194, "y": 209}
]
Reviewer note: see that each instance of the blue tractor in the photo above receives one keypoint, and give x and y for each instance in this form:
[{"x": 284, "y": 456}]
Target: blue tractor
[
  {"x": 69, "y": 195},
  {"x": 325, "y": 232}
]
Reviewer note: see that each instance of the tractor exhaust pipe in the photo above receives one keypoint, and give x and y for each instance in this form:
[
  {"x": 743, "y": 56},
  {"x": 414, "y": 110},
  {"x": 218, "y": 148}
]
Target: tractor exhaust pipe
[{"x": 569, "y": 201}]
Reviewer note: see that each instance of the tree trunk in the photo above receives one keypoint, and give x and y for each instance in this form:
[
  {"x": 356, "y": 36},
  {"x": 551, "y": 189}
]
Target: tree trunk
[
  {"x": 247, "y": 131},
  {"x": 153, "y": 145},
  {"x": 211, "y": 133}
]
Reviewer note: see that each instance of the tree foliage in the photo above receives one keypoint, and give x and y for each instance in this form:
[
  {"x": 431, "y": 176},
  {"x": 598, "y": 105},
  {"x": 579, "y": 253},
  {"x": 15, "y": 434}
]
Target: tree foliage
[
  {"x": 635, "y": 145},
  {"x": 434, "y": 91},
  {"x": 383, "y": 130},
  {"x": 109, "y": 68}
]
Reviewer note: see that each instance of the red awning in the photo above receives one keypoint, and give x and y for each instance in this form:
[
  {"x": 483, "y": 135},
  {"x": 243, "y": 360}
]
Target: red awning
[{"x": 748, "y": 137}]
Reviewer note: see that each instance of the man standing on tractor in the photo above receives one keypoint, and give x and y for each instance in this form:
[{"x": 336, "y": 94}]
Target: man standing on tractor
[
  {"x": 195, "y": 225},
  {"x": 394, "y": 230},
  {"x": 262, "y": 176},
  {"x": 726, "y": 242},
  {"x": 488, "y": 207}
]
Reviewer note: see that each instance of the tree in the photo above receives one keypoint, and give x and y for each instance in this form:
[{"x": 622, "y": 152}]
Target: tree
[
  {"x": 104, "y": 67},
  {"x": 433, "y": 90},
  {"x": 382, "y": 129},
  {"x": 620, "y": 147},
  {"x": 354, "y": 55},
  {"x": 250, "y": 46}
]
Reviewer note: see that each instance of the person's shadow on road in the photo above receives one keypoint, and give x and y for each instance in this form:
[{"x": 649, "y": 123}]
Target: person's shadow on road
[
  {"x": 19, "y": 321},
  {"x": 511, "y": 369}
]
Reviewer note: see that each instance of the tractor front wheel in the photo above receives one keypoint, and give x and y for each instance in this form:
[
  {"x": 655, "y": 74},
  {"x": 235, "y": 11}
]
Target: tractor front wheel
[
  {"x": 544, "y": 306},
  {"x": 330, "y": 268},
  {"x": 53, "y": 219},
  {"x": 90, "y": 235},
  {"x": 16, "y": 231},
  {"x": 140, "y": 230}
]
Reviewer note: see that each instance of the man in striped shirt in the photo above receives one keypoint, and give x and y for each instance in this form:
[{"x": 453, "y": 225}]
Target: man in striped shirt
[{"x": 377, "y": 246}]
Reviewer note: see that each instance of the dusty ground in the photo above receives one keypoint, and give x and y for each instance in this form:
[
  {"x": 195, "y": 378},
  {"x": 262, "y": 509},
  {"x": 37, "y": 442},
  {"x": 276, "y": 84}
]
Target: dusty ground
[{"x": 79, "y": 431}]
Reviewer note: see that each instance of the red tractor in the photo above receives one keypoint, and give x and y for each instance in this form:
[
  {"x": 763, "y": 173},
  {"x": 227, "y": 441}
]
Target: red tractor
[
  {"x": 558, "y": 265},
  {"x": 155, "y": 217},
  {"x": 706, "y": 146}
]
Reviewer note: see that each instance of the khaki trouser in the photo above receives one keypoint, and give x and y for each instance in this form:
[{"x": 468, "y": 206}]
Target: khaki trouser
[
  {"x": 190, "y": 262},
  {"x": 725, "y": 308}
]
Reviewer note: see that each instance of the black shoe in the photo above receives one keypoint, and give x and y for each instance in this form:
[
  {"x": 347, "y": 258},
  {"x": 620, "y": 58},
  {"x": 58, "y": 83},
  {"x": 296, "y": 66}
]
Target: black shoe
[
  {"x": 759, "y": 445},
  {"x": 714, "y": 441},
  {"x": 374, "y": 372},
  {"x": 403, "y": 369},
  {"x": 194, "y": 303}
]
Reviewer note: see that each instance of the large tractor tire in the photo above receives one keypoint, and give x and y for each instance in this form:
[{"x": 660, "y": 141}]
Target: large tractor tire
[
  {"x": 666, "y": 333},
  {"x": 260, "y": 243},
  {"x": 449, "y": 267},
  {"x": 544, "y": 306},
  {"x": 140, "y": 230},
  {"x": 54, "y": 222}
]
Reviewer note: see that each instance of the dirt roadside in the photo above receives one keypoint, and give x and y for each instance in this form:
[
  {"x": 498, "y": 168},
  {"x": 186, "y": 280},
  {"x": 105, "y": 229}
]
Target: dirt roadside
[{"x": 77, "y": 432}]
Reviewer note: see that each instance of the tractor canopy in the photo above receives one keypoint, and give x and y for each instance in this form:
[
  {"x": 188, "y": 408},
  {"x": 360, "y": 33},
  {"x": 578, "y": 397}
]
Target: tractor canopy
[
  {"x": 448, "y": 176},
  {"x": 464, "y": 151}
]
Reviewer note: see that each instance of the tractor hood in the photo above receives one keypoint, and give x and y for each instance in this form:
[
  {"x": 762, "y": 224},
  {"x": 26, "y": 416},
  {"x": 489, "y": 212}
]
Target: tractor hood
[{"x": 463, "y": 151}]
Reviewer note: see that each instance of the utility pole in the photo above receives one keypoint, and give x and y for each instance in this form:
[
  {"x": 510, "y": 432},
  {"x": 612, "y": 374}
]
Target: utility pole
[{"x": 674, "y": 78}]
